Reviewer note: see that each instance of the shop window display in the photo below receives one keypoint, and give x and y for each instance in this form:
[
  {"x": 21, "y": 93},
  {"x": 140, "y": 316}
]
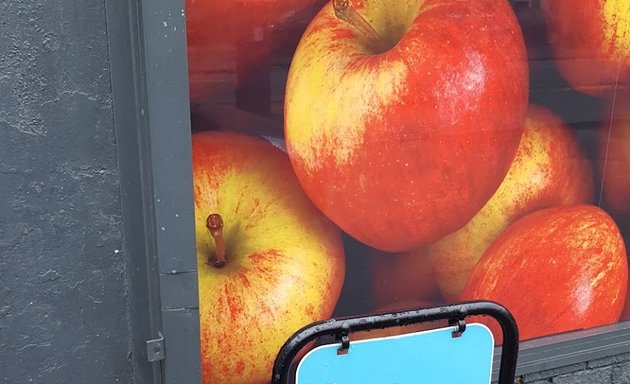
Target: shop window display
[{"x": 361, "y": 156}]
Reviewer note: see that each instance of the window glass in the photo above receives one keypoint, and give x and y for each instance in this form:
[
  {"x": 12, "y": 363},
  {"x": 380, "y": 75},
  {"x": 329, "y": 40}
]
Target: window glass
[{"x": 364, "y": 156}]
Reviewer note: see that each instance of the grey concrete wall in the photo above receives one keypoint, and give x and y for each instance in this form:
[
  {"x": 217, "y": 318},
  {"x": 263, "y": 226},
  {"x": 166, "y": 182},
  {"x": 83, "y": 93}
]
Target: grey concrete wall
[
  {"x": 609, "y": 370},
  {"x": 63, "y": 296}
]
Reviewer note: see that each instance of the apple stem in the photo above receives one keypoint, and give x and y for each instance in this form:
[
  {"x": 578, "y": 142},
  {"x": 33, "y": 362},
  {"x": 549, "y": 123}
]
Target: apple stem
[
  {"x": 214, "y": 223},
  {"x": 346, "y": 12}
]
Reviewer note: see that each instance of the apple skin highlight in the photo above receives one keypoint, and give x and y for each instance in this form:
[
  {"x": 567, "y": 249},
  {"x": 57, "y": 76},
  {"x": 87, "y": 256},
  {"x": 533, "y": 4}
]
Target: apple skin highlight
[
  {"x": 402, "y": 147},
  {"x": 556, "y": 270}
]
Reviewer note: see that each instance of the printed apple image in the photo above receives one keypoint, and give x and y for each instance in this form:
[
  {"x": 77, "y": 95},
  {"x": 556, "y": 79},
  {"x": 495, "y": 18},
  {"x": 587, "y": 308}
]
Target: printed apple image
[
  {"x": 405, "y": 277},
  {"x": 405, "y": 305},
  {"x": 241, "y": 36},
  {"x": 625, "y": 314},
  {"x": 401, "y": 119},
  {"x": 556, "y": 270},
  {"x": 549, "y": 170},
  {"x": 590, "y": 41},
  {"x": 614, "y": 156},
  {"x": 269, "y": 263}
]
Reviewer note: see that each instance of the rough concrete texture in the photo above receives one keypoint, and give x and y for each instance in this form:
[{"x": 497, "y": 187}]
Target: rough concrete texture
[
  {"x": 609, "y": 370},
  {"x": 543, "y": 375},
  {"x": 63, "y": 300}
]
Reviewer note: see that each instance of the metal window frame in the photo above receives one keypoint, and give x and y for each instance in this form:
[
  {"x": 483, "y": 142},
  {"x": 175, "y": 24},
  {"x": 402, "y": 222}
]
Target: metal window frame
[{"x": 147, "y": 47}]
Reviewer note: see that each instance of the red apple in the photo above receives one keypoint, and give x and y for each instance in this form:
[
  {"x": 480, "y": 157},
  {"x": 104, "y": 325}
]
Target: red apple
[
  {"x": 402, "y": 134},
  {"x": 268, "y": 261},
  {"x": 549, "y": 170},
  {"x": 240, "y": 36},
  {"x": 556, "y": 269},
  {"x": 614, "y": 156},
  {"x": 401, "y": 278},
  {"x": 591, "y": 42}
]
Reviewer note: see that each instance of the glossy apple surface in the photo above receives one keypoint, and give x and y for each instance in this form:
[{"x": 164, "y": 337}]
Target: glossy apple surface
[
  {"x": 549, "y": 170},
  {"x": 556, "y": 270},
  {"x": 402, "y": 278},
  {"x": 591, "y": 42},
  {"x": 614, "y": 156},
  {"x": 284, "y": 262},
  {"x": 401, "y": 140}
]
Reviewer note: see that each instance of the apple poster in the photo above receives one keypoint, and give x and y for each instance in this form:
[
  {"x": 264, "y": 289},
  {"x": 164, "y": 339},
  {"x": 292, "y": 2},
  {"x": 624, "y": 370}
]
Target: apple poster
[{"x": 356, "y": 157}]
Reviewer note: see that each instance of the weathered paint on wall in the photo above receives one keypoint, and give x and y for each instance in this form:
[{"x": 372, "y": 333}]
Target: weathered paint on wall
[{"x": 63, "y": 296}]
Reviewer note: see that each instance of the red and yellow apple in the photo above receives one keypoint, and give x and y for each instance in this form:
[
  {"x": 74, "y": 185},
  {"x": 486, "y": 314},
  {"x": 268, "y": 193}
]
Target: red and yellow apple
[
  {"x": 549, "y": 170},
  {"x": 590, "y": 40},
  {"x": 402, "y": 122},
  {"x": 614, "y": 156},
  {"x": 240, "y": 36},
  {"x": 269, "y": 262},
  {"x": 402, "y": 278},
  {"x": 556, "y": 270}
]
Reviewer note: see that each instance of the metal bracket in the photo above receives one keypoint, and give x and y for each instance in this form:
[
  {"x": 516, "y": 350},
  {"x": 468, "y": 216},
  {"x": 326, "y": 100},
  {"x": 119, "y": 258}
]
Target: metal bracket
[
  {"x": 460, "y": 326},
  {"x": 155, "y": 349},
  {"x": 345, "y": 339}
]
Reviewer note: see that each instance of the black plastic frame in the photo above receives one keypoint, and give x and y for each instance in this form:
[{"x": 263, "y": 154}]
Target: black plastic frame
[
  {"x": 456, "y": 314},
  {"x": 151, "y": 113}
]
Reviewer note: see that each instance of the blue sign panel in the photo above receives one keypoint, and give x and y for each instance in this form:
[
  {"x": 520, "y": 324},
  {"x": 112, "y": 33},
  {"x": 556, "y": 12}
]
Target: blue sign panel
[{"x": 428, "y": 357}]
